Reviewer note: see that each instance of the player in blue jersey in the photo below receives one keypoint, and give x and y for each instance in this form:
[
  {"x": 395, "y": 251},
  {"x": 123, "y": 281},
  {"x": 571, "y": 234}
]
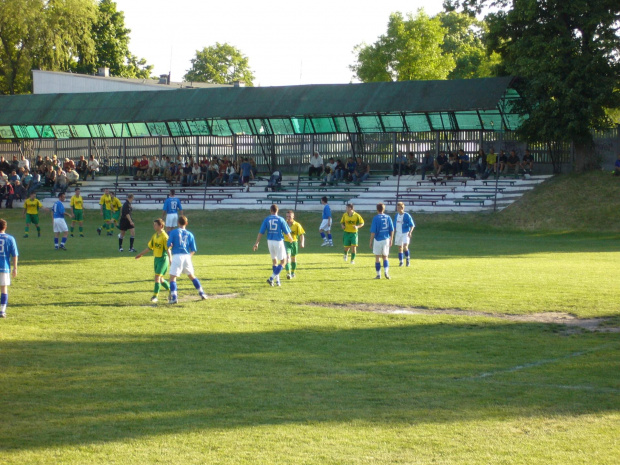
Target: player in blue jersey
[
  {"x": 403, "y": 227},
  {"x": 60, "y": 225},
  {"x": 8, "y": 259},
  {"x": 381, "y": 237},
  {"x": 182, "y": 246},
  {"x": 326, "y": 224},
  {"x": 276, "y": 228},
  {"x": 172, "y": 211}
]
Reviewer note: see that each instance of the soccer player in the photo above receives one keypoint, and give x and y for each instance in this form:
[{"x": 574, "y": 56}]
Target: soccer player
[
  {"x": 381, "y": 236},
  {"x": 326, "y": 224},
  {"x": 31, "y": 212},
  {"x": 162, "y": 257},
  {"x": 276, "y": 229},
  {"x": 403, "y": 226},
  {"x": 172, "y": 211},
  {"x": 8, "y": 258},
  {"x": 292, "y": 247},
  {"x": 115, "y": 212},
  {"x": 60, "y": 225},
  {"x": 183, "y": 247},
  {"x": 126, "y": 224},
  {"x": 351, "y": 222},
  {"x": 105, "y": 205},
  {"x": 77, "y": 205}
]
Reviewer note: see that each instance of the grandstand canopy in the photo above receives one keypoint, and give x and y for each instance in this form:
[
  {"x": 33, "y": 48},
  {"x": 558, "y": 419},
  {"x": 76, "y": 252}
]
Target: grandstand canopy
[{"x": 410, "y": 106}]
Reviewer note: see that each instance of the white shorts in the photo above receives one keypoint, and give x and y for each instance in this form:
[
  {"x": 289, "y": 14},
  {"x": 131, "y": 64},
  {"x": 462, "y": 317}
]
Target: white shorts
[
  {"x": 60, "y": 225},
  {"x": 381, "y": 247},
  {"x": 401, "y": 239},
  {"x": 5, "y": 279},
  {"x": 325, "y": 226},
  {"x": 277, "y": 250},
  {"x": 181, "y": 264},
  {"x": 172, "y": 220}
]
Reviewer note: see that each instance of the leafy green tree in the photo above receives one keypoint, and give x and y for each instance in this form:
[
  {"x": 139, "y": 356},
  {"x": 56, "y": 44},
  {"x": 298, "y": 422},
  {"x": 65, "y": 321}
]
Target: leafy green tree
[
  {"x": 567, "y": 54},
  {"x": 111, "y": 39},
  {"x": 410, "y": 50},
  {"x": 220, "y": 64},
  {"x": 44, "y": 34}
]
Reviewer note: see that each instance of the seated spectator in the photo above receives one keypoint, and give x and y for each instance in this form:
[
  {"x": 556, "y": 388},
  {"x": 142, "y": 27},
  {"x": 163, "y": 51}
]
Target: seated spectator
[
  {"x": 35, "y": 183},
  {"x": 204, "y": 168},
  {"x": 72, "y": 177},
  {"x": 463, "y": 160},
  {"x": 164, "y": 164},
  {"x": 186, "y": 176},
  {"x": 26, "y": 179},
  {"x": 316, "y": 166},
  {"x": 617, "y": 166},
  {"x": 38, "y": 164},
  {"x": 14, "y": 164},
  {"x": 491, "y": 164},
  {"x": 481, "y": 162},
  {"x": 14, "y": 177},
  {"x": 412, "y": 164},
  {"x": 399, "y": 164},
  {"x": 427, "y": 164},
  {"x": 143, "y": 168},
  {"x": 213, "y": 171},
  {"x": 93, "y": 167},
  {"x": 50, "y": 177},
  {"x": 231, "y": 174},
  {"x": 195, "y": 174},
  {"x": 24, "y": 164},
  {"x": 254, "y": 168},
  {"x": 330, "y": 172},
  {"x": 350, "y": 169},
  {"x": 7, "y": 194},
  {"x": 275, "y": 181},
  {"x": 441, "y": 163},
  {"x": 20, "y": 191},
  {"x": 61, "y": 181},
  {"x": 528, "y": 162},
  {"x": 452, "y": 168},
  {"x": 5, "y": 166},
  {"x": 513, "y": 163},
  {"x": 362, "y": 171},
  {"x": 503, "y": 162},
  {"x": 153, "y": 169},
  {"x": 68, "y": 165},
  {"x": 82, "y": 167},
  {"x": 340, "y": 171}
]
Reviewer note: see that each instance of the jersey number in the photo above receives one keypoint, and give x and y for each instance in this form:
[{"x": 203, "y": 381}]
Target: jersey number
[{"x": 273, "y": 225}]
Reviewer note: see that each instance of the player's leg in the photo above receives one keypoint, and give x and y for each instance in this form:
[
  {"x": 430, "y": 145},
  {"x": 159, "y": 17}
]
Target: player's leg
[
  {"x": 330, "y": 242},
  {"x": 28, "y": 221},
  {"x": 173, "y": 290},
  {"x": 386, "y": 266},
  {"x": 65, "y": 234},
  {"x": 81, "y": 228},
  {"x": 72, "y": 227},
  {"x": 406, "y": 252},
  {"x": 4, "y": 294},
  {"x": 353, "y": 253},
  {"x": 294, "y": 251},
  {"x": 196, "y": 282},
  {"x": 378, "y": 266},
  {"x": 121, "y": 236},
  {"x": 401, "y": 254},
  {"x": 132, "y": 237}
]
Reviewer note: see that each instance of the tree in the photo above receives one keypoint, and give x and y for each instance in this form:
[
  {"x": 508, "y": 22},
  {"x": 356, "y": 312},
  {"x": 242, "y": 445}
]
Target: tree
[
  {"x": 567, "y": 55},
  {"x": 44, "y": 34},
  {"x": 111, "y": 39},
  {"x": 220, "y": 64},
  {"x": 410, "y": 50}
]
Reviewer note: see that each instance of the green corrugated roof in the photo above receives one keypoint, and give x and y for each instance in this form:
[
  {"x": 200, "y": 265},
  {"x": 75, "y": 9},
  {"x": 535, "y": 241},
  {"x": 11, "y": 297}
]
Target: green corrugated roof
[{"x": 292, "y": 109}]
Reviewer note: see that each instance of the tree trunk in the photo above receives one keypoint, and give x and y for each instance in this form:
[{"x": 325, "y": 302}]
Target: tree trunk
[{"x": 585, "y": 157}]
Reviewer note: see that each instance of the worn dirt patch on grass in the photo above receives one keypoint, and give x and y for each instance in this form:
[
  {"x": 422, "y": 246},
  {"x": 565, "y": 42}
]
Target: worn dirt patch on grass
[{"x": 556, "y": 318}]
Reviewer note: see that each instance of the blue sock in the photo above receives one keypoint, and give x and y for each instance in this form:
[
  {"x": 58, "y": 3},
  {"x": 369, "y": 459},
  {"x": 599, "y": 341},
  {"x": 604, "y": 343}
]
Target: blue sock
[
  {"x": 63, "y": 241},
  {"x": 386, "y": 264},
  {"x": 273, "y": 271},
  {"x": 378, "y": 267},
  {"x": 407, "y": 254},
  {"x": 56, "y": 241},
  {"x": 400, "y": 257},
  {"x": 323, "y": 235},
  {"x": 277, "y": 270},
  {"x": 196, "y": 284},
  {"x": 4, "y": 299},
  {"x": 329, "y": 237},
  {"x": 173, "y": 288}
]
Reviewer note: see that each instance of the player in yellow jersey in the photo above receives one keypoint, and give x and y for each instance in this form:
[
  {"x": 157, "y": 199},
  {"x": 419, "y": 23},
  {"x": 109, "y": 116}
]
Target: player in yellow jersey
[
  {"x": 292, "y": 247},
  {"x": 159, "y": 245},
  {"x": 115, "y": 207},
  {"x": 77, "y": 205},
  {"x": 106, "y": 212},
  {"x": 351, "y": 222},
  {"x": 32, "y": 205}
]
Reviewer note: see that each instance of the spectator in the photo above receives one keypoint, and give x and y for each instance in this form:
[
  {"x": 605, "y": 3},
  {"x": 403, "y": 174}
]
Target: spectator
[
  {"x": 453, "y": 164},
  {"x": 246, "y": 174},
  {"x": 481, "y": 162},
  {"x": 143, "y": 168},
  {"x": 362, "y": 171},
  {"x": 513, "y": 163},
  {"x": 38, "y": 163},
  {"x": 24, "y": 164},
  {"x": 153, "y": 169},
  {"x": 68, "y": 165},
  {"x": 528, "y": 162},
  {"x": 330, "y": 172},
  {"x": 26, "y": 179},
  {"x": 399, "y": 164},
  {"x": 491, "y": 164},
  {"x": 187, "y": 175},
  {"x": 231, "y": 174},
  {"x": 20, "y": 191},
  {"x": 204, "y": 168},
  {"x": 412, "y": 164},
  {"x": 61, "y": 183},
  {"x": 5, "y": 166},
  {"x": 93, "y": 167},
  {"x": 82, "y": 167},
  {"x": 617, "y": 166},
  {"x": 8, "y": 194},
  {"x": 72, "y": 177},
  {"x": 428, "y": 164},
  {"x": 316, "y": 165},
  {"x": 441, "y": 163},
  {"x": 15, "y": 164},
  {"x": 503, "y": 161},
  {"x": 350, "y": 169},
  {"x": 254, "y": 168},
  {"x": 164, "y": 164},
  {"x": 195, "y": 174},
  {"x": 463, "y": 160},
  {"x": 50, "y": 177},
  {"x": 35, "y": 183},
  {"x": 340, "y": 171},
  {"x": 14, "y": 177}
]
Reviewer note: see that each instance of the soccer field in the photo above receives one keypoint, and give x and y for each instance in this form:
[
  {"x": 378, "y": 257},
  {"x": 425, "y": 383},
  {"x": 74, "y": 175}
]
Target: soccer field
[{"x": 481, "y": 352}]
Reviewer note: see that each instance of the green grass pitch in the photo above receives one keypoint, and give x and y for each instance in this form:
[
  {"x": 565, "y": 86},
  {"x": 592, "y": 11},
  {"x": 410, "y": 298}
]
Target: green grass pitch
[{"x": 449, "y": 362}]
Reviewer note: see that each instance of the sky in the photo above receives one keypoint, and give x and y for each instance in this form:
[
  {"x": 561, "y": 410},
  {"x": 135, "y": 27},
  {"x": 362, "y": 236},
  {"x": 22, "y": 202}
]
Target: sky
[{"x": 287, "y": 42}]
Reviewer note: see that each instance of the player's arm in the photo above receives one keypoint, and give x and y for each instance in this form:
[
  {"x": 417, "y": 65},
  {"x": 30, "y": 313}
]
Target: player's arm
[
  {"x": 144, "y": 252},
  {"x": 258, "y": 241},
  {"x": 372, "y": 239},
  {"x": 391, "y": 238},
  {"x": 302, "y": 238},
  {"x": 24, "y": 212},
  {"x": 361, "y": 225},
  {"x": 14, "y": 270},
  {"x": 289, "y": 237}
]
